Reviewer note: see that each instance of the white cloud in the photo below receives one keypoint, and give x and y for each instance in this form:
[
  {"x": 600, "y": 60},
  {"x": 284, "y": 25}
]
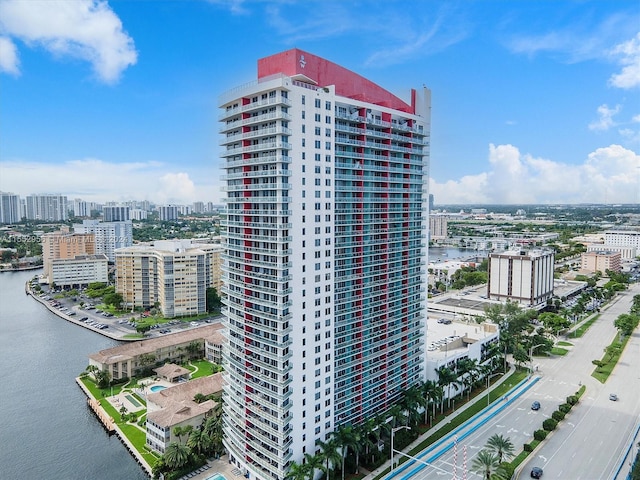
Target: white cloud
[
  {"x": 99, "y": 181},
  {"x": 84, "y": 29},
  {"x": 607, "y": 175},
  {"x": 9, "y": 61},
  {"x": 628, "y": 54},
  {"x": 606, "y": 118}
]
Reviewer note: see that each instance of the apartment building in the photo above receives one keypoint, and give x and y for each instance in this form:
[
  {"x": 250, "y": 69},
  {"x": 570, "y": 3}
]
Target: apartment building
[
  {"x": 109, "y": 235},
  {"x": 521, "y": 276},
  {"x": 9, "y": 208},
  {"x": 438, "y": 227},
  {"x": 79, "y": 271},
  {"x": 601, "y": 261},
  {"x": 116, "y": 213},
  {"x": 627, "y": 242},
  {"x": 174, "y": 274},
  {"x": 60, "y": 246},
  {"x": 52, "y": 208},
  {"x": 324, "y": 273}
]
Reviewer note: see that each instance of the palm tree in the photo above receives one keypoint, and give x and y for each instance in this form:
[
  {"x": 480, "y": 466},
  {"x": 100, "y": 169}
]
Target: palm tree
[
  {"x": 345, "y": 438},
  {"x": 313, "y": 463},
  {"x": 298, "y": 471},
  {"x": 410, "y": 403},
  {"x": 501, "y": 446},
  {"x": 365, "y": 444},
  {"x": 485, "y": 464},
  {"x": 446, "y": 378},
  {"x": 176, "y": 455},
  {"x": 468, "y": 369},
  {"x": 329, "y": 453}
]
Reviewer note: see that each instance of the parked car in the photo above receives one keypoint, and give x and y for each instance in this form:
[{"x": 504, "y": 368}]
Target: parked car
[
  {"x": 613, "y": 397},
  {"x": 535, "y": 405},
  {"x": 536, "y": 472}
]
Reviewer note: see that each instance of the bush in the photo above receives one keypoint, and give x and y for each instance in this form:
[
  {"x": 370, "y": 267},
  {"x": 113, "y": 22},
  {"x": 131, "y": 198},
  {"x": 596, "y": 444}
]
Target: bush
[
  {"x": 572, "y": 399},
  {"x": 506, "y": 469},
  {"x": 558, "y": 415},
  {"x": 549, "y": 424},
  {"x": 527, "y": 447},
  {"x": 540, "y": 434},
  {"x": 565, "y": 407}
]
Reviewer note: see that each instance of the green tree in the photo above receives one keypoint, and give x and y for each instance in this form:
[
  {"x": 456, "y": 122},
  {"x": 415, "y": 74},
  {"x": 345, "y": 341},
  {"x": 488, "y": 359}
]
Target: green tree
[
  {"x": 213, "y": 300},
  {"x": 176, "y": 455},
  {"x": 626, "y": 323},
  {"x": 329, "y": 453},
  {"x": 298, "y": 471},
  {"x": 485, "y": 464},
  {"x": 501, "y": 446},
  {"x": 313, "y": 463}
]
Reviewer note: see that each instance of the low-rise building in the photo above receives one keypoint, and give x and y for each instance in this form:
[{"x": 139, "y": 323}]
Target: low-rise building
[
  {"x": 176, "y": 407},
  {"x": 79, "y": 271},
  {"x": 130, "y": 358}
]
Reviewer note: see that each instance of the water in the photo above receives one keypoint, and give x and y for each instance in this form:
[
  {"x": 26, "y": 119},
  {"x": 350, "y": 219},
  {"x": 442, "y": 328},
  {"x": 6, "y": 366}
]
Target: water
[
  {"x": 46, "y": 429},
  {"x": 440, "y": 254}
]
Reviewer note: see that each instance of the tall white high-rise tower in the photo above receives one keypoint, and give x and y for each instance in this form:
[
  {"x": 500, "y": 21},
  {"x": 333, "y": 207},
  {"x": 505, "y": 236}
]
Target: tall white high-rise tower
[{"x": 325, "y": 270}]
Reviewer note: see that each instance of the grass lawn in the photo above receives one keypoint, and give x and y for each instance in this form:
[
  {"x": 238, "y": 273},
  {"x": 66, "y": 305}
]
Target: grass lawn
[
  {"x": 204, "y": 368},
  {"x": 564, "y": 344},
  {"x": 559, "y": 351},
  {"x": 602, "y": 373},
  {"x": 580, "y": 331}
]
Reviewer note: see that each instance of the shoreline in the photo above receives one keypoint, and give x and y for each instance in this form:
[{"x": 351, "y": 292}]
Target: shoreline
[
  {"x": 68, "y": 318},
  {"x": 112, "y": 427}
]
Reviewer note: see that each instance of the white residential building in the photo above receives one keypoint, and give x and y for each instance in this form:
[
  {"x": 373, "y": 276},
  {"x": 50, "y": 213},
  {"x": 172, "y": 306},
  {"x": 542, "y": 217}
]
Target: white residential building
[
  {"x": 325, "y": 274},
  {"x": 80, "y": 270},
  {"x": 521, "y": 276},
  {"x": 9, "y": 208},
  {"x": 109, "y": 235},
  {"x": 52, "y": 208}
]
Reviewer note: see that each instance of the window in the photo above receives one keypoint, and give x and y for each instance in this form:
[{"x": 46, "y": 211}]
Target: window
[
  {"x": 303, "y": 115},
  {"x": 317, "y": 143},
  {"x": 327, "y": 105},
  {"x": 317, "y": 130},
  {"x": 327, "y": 145},
  {"x": 304, "y": 99},
  {"x": 317, "y": 103},
  {"x": 318, "y": 117}
]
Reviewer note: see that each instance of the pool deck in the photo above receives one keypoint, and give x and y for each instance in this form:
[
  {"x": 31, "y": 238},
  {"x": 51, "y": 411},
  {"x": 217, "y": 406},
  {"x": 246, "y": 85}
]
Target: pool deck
[{"x": 230, "y": 472}]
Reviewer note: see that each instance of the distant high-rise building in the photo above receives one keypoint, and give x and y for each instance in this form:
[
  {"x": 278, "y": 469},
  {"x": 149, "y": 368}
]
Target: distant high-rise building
[
  {"x": 325, "y": 264},
  {"x": 81, "y": 208},
  {"x": 50, "y": 208},
  {"x": 138, "y": 214},
  {"x": 198, "y": 207},
  {"x": 431, "y": 202},
  {"x": 438, "y": 226},
  {"x": 116, "y": 213},
  {"x": 168, "y": 213},
  {"x": 109, "y": 236},
  {"x": 9, "y": 208},
  {"x": 521, "y": 276}
]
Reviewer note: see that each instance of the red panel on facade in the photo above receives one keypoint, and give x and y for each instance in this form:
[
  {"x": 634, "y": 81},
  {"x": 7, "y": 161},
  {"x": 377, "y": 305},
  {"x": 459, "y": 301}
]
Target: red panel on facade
[{"x": 348, "y": 84}]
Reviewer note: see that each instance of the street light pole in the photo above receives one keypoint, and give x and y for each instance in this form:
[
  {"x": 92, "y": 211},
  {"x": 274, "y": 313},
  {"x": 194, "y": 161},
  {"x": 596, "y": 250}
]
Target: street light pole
[
  {"x": 393, "y": 431},
  {"x": 531, "y": 356},
  {"x": 489, "y": 377}
]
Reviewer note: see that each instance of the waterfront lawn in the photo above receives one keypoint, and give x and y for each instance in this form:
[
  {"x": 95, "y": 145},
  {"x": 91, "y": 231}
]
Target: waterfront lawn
[{"x": 138, "y": 439}]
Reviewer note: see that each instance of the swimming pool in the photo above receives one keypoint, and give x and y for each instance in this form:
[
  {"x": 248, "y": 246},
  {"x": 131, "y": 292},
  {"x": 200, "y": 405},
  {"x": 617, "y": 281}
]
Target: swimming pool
[
  {"x": 216, "y": 476},
  {"x": 157, "y": 388}
]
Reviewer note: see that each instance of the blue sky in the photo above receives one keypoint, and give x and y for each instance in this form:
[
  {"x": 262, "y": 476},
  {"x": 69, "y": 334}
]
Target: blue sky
[{"x": 532, "y": 101}]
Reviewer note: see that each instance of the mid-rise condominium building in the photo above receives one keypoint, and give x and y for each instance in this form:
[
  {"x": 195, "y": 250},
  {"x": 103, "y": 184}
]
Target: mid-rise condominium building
[
  {"x": 601, "y": 261},
  {"x": 58, "y": 246},
  {"x": 521, "y": 276},
  {"x": 167, "y": 213},
  {"x": 174, "y": 274},
  {"x": 325, "y": 267}
]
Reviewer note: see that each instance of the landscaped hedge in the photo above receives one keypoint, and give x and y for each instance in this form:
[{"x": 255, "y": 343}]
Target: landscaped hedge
[
  {"x": 565, "y": 407},
  {"x": 549, "y": 424},
  {"x": 527, "y": 447},
  {"x": 558, "y": 415},
  {"x": 572, "y": 399},
  {"x": 540, "y": 434}
]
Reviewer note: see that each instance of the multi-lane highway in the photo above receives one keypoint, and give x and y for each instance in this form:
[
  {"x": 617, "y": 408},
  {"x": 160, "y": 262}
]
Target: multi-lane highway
[{"x": 588, "y": 443}]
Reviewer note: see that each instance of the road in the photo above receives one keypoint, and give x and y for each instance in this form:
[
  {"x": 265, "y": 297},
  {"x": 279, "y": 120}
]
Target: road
[
  {"x": 596, "y": 425},
  {"x": 590, "y": 442}
]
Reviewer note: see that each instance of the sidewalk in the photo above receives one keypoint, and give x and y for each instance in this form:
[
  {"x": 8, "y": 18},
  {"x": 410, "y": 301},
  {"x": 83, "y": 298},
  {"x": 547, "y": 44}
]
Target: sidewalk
[{"x": 378, "y": 471}]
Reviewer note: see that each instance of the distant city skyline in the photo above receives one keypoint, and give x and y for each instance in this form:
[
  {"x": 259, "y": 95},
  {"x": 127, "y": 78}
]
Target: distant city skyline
[{"x": 533, "y": 102}]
